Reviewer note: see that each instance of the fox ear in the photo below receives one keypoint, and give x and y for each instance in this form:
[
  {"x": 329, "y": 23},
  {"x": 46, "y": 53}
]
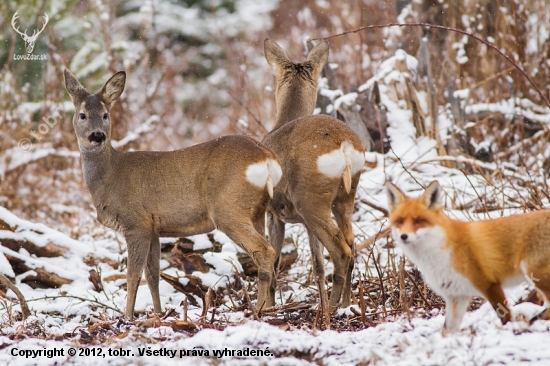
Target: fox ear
[
  {"x": 432, "y": 195},
  {"x": 395, "y": 196}
]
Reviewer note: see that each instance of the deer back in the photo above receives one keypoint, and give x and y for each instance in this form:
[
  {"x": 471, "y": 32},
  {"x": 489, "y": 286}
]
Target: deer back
[{"x": 173, "y": 192}]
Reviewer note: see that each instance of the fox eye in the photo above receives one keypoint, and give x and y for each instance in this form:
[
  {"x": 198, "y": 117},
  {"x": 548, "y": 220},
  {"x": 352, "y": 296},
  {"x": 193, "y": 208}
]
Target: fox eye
[
  {"x": 105, "y": 115},
  {"x": 399, "y": 221},
  {"x": 419, "y": 221},
  {"x": 82, "y": 116}
]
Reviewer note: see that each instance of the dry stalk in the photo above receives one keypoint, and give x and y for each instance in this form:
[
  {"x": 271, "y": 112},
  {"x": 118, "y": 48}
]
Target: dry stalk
[{"x": 24, "y": 307}]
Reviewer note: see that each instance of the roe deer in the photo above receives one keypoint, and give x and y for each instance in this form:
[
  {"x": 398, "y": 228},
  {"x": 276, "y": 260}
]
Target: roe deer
[
  {"x": 223, "y": 184},
  {"x": 322, "y": 161}
]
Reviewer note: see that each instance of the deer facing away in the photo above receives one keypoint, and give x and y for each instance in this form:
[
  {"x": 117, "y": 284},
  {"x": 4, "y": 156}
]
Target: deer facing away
[
  {"x": 322, "y": 161},
  {"x": 223, "y": 184}
]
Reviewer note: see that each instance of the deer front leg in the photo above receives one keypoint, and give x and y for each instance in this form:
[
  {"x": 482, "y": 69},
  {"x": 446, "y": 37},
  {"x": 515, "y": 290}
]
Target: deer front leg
[
  {"x": 152, "y": 272},
  {"x": 138, "y": 244}
]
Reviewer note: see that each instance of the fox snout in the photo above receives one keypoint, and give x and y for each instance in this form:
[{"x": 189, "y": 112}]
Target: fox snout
[{"x": 403, "y": 237}]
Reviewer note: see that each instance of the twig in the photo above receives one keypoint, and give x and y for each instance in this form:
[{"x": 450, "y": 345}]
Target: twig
[
  {"x": 493, "y": 77},
  {"x": 256, "y": 119},
  {"x": 371, "y": 240},
  {"x": 403, "y": 289},
  {"x": 47, "y": 297},
  {"x": 521, "y": 144},
  {"x": 392, "y": 311},
  {"x": 206, "y": 304},
  {"x": 476, "y": 164},
  {"x": 362, "y": 299},
  {"x": 403, "y": 166},
  {"x": 375, "y": 206},
  {"x": 475, "y": 190},
  {"x": 185, "y": 308},
  {"x": 295, "y": 306},
  {"x": 247, "y": 296},
  {"x": 24, "y": 307},
  {"x": 418, "y": 289},
  {"x": 427, "y": 25},
  {"x": 382, "y": 288}
]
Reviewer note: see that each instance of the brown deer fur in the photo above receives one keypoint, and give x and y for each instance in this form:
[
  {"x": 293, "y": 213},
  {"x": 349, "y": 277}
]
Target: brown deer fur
[
  {"x": 322, "y": 161},
  {"x": 222, "y": 184}
]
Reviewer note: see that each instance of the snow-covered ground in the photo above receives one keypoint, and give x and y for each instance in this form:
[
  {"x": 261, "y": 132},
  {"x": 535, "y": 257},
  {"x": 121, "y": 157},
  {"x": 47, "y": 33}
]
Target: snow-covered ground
[{"x": 403, "y": 342}]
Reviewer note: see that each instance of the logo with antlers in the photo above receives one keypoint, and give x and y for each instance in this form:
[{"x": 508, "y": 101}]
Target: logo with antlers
[{"x": 29, "y": 40}]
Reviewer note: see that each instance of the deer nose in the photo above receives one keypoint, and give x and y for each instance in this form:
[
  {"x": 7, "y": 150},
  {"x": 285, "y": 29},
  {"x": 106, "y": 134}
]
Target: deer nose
[
  {"x": 404, "y": 237},
  {"x": 97, "y": 136}
]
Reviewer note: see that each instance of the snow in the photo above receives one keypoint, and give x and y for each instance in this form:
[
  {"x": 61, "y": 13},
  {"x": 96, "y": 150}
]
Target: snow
[{"x": 402, "y": 342}]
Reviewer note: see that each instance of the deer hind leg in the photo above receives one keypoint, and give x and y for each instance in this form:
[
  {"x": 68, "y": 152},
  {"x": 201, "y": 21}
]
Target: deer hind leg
[
  {"x": 319, "y": 221},
  {"x": 319, "y": 273},
  {"x": 256, "y": 246},
  {"x": 152, "y": 272},
  {"x": 342, "y": 211},
  {"x": 138, "y": 243},
  {"x": 276, "y": 230}
]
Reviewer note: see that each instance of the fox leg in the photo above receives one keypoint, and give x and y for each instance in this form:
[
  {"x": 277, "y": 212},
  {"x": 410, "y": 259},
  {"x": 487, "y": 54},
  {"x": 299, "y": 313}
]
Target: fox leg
[
  {"x": 541, "y": 279},
  {"x": 495, "y": 295},
  {"x": 455, "y": 307}
]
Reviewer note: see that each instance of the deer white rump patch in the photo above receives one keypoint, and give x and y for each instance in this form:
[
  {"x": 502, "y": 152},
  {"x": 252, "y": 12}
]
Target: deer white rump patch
[
  {"x": 265, "y": 173},
  {"x": 333, "y": 163}
]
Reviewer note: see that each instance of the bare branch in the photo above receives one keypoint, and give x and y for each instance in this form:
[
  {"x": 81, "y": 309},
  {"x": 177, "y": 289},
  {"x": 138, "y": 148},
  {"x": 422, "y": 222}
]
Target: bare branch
[
  {"x": 24, "y": 307},
  {"x": 433, "y": 26}
]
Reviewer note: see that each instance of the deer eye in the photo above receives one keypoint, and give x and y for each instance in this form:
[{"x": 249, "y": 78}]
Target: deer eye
[
  {"x": 82, "y": 116},
  {"x": 105, "y": 115}
]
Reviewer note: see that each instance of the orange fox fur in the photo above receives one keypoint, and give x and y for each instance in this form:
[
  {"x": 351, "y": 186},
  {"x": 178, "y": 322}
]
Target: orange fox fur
[{"x": 464, "y": 259}]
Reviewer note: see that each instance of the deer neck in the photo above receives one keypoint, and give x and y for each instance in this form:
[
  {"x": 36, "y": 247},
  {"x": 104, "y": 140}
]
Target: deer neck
[
  {"x": 293, "y": 105},
  {"x": 97, "y": 168}
]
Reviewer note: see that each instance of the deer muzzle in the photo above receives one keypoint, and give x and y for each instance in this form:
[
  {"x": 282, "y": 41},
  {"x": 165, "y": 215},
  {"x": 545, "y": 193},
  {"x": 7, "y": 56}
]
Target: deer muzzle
[{"x": 98, "y": 137}]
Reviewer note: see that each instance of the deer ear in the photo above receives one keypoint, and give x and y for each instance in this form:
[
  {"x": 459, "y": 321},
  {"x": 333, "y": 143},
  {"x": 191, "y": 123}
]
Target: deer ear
[
  {"x": 318, "y": 56},
  {"x": 432, "y": 195},
  {"x": 274, "y": 54},
  {"x": 113, "y": 88},
  {"x": 395, "y": 196},
  {"x": 74, "y": 88}
]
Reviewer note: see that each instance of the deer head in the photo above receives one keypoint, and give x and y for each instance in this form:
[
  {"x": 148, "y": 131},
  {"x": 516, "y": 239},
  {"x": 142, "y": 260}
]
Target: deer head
[{"x": 29, "y": 40}]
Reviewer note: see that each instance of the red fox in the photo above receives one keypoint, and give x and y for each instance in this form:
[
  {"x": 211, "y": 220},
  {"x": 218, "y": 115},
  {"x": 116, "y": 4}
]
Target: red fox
[{"x": 464, "y": 259}]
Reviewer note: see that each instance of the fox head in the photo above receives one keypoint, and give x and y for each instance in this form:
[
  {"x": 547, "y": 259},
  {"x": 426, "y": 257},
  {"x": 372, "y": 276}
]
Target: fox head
[{"x": 414, "y": 220}]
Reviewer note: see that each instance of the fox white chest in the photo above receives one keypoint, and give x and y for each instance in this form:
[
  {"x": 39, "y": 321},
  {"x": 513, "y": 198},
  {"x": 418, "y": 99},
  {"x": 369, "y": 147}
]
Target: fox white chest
[{"x": 426, "y": 249}]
